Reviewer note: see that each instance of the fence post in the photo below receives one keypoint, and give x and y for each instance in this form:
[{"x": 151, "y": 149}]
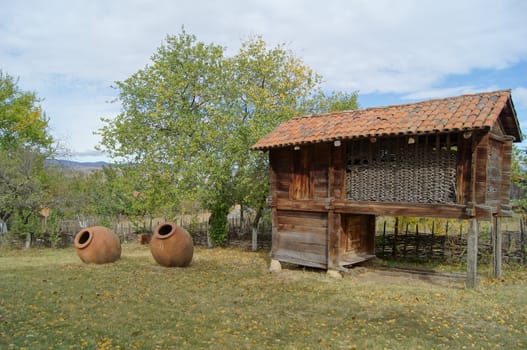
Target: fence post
[
  {"x": 417, "y": 241},
  {"x": 432, "y": 240},
  {"x": 472, "y": 253},
  {"x": 405, "y": 241},
  {"x": 254, "y": 238},
  {"x": 384, "y": 238},
  {"x": 445, "y": 240},
  {"x": 394, "y": 244}
]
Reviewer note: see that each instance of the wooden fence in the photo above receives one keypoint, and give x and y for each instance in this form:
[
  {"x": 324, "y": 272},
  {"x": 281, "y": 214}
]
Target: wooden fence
[
  {"x": 411, "y": 244},
  {"x": 422, "y": 240},
  {"x": 196, "y": 225}
]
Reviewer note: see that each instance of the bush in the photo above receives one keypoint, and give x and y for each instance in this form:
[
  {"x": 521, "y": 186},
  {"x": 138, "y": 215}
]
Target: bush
[{"x": 219, "y": 225}]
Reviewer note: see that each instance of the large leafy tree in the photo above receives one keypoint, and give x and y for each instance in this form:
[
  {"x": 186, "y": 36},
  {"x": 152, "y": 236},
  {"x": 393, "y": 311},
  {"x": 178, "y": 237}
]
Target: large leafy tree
[
  {"x": 189, "y": 118},
  {"x": 519, "y": 178},
  {"x": 165, "y": 127},
  {"x": 22, "y": 122},
  {"x": 24, "y": 144}
]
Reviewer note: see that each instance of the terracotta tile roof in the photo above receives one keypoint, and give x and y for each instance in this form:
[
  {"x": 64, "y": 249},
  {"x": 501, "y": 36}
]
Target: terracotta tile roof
[{"x": 466, "y": 112}]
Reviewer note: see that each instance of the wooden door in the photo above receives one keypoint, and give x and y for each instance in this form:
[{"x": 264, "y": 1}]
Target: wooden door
[{"x": 358, "y": 234}]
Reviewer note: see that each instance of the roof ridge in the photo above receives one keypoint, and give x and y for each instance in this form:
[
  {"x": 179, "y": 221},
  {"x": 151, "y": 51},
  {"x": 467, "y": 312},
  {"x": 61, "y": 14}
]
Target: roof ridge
[
  {"x": 439, "y": 99},
  {"x": 353, "y": 111},
  {"x": 314, "y": 115}
]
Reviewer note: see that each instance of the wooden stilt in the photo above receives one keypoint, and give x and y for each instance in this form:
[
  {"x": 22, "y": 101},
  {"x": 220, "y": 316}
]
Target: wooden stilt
[
  {"x": 496, "y": 248},
  {"x": 333, "y": 240},
  {"x": 472, "y": 254}
]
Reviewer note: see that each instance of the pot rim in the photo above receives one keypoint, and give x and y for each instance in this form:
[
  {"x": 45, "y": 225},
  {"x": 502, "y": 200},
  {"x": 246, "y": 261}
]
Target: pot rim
[
  {"x": 87, "y": 242},
  {"x": 173, "y": 229}
]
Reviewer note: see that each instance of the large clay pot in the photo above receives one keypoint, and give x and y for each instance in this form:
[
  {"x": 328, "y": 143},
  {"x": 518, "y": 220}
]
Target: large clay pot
[
  {"x": 171, "y": 245},
  {"x": 97, "y": 245}
]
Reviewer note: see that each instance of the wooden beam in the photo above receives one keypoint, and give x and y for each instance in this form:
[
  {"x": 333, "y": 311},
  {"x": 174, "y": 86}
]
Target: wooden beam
[
  {"x": 472, "y": 254},
  {"x": 496, "y": 248},
  {"x": 311, "y": 205},
  {"x": 454, "y": 211},
  {"x": 402, "y": 209}
]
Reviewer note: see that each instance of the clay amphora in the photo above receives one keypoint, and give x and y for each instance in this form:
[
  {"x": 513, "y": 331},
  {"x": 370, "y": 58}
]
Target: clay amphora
[
  {"x": 171, "y": 245},
  {"x": 97, "y": 245}
]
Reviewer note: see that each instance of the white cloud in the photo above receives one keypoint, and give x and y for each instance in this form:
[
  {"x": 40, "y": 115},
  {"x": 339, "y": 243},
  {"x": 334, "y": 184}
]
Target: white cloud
[
  {"x": 384, "y": 46},
  {"x": 519, "y": 95},
  {"x": 446, "y": 92}
]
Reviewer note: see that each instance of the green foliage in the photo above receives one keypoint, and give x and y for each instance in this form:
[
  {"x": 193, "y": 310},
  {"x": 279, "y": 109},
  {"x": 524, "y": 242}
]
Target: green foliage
[
  {"x": 322, "y": 102},
  {"x": 189, "y": 118},
  {"x": 218, "y": 224},
  {"x": 24, "y": 221},
  {"x": 22, "y": 122},
  {"x": 52, "y": 226},
  {"x": 22, "y": 190},
  {"x": 24, "y": 144},
  {"x": 519, "y": 176}
]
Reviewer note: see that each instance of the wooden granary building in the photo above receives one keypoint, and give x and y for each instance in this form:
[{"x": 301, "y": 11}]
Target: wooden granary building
[{"x": 331, "y": 174}]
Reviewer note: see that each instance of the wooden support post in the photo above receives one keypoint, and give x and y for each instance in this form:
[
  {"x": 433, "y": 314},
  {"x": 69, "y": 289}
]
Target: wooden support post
[
  {"x": 472, "y": 254},
  {"x": 496, "y": 248},
  {"x": 333, "y": 241}
]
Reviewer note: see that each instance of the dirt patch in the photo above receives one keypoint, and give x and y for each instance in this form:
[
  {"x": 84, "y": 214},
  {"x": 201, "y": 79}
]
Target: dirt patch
[
  {"x": 402, "y": 276},
  {"x": 386, "y": 276}
]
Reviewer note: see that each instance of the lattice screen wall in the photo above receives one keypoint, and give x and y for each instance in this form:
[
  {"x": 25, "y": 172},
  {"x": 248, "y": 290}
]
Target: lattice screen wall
[{"x": 419, "y": 169}]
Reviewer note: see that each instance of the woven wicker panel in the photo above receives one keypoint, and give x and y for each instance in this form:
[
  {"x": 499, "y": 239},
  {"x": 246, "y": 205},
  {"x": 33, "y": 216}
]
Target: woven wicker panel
[{"x": 392, "y": 170}]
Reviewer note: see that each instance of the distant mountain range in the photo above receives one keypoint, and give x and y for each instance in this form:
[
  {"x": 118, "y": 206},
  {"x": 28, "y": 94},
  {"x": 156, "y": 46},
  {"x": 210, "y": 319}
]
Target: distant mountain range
[{"x": 80, "y": 166}]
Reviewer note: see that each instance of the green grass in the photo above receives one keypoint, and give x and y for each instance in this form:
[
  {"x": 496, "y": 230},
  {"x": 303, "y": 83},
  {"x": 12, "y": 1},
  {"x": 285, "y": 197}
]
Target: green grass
[{"x": 227, "y": 300}]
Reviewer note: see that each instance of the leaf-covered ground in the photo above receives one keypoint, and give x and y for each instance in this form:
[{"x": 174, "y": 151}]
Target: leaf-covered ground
[{"x": 227, "y": 300}]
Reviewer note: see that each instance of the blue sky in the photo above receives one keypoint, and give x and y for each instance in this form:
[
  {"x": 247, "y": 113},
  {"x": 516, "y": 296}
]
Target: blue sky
[{"x": 391, "y": 51}]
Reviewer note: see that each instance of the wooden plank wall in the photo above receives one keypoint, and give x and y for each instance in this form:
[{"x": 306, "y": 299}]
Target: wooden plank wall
[
  {"x": 300, "y": 180},
  {"x": 337, "y": 174},
  {"x": 319, "y": 169},
  {"x": 494, "y": 174},
  {"x": 506, "y": 173},
  {"x": 481, "y": 156},
  {"x": 280, "y": 162},
  {"x": 308, "y": 171},
  {"x": 464, "y": 170},
  {"x": 301, "y": 238},
  {"x": 301, "y": 175}
]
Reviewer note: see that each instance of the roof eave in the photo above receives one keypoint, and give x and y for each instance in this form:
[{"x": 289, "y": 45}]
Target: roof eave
[
  {"x": 264, "y": 148},
  {"x": 519, "y": 135}
]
